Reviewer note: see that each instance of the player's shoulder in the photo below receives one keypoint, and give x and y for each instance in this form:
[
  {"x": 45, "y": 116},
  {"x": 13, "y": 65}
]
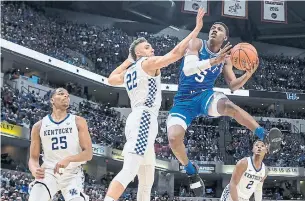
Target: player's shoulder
[
  {"x": 243, "y": 163},
  {"x": 80, "y": 121},
  {"x": 37, "y": 126}
]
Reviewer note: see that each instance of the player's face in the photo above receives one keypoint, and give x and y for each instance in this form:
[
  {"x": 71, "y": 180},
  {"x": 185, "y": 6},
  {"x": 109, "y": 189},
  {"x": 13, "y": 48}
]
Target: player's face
[
  {"x": 61, "y": 99},
  {"x": 144, "y": 50},
  {"x": 259, "y": 148},
  {"x": 217, "y": 33}
]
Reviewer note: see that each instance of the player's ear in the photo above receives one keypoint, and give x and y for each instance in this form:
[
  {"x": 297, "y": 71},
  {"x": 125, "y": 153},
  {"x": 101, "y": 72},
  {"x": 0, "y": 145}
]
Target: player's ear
[{"x": 225, "y": 38}]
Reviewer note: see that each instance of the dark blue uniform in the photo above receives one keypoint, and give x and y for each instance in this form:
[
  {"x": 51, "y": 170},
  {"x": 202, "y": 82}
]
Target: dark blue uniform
[{"x": 195, "y": 92}]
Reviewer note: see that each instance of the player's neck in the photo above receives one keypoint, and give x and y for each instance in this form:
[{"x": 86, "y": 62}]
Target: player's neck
[
  {"x": 257, "y": 161},
  {"x": 58, "y": 115},
  {"x": 213, "y": 46}
]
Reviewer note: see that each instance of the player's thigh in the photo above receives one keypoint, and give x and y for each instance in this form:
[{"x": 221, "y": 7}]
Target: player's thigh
[
  {"x": 44, "y": 189},
  {"x": 72, "y": 184},
  {"x": 180, "y": 117},
  {"x": 210, "y": 106}
]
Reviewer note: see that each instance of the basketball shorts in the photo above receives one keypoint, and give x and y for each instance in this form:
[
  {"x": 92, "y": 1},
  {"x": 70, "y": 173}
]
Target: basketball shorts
[
  {"x": 225, "y": 196},
  {"x": 141, "y": 131},
  {"x": 70, "y": 183},
  {"x": 203, "y": 103}
]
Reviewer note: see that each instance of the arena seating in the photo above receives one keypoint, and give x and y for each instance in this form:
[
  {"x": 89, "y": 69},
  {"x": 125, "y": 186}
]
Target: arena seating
[{"x": 105, "y": 48}]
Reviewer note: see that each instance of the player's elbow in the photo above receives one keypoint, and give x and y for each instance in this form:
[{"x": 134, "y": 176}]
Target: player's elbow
[
  {"x": 114, "y": 81},
  {"x": 89, "y": 154}
]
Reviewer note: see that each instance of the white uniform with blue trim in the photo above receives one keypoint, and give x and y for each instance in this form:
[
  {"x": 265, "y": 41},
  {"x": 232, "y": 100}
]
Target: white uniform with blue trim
[
  {"x": 60, "y": 140},
  {"x": 141, "y": 128},
  {"x": 247, "y": 184}
]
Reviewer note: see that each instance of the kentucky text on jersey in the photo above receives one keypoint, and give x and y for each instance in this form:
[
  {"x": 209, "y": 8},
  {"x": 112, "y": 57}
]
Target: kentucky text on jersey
[
  {"x": 58, "y": 131},
  {"x": 200, "y": 81},
  {"x": 254, "y": 177}
]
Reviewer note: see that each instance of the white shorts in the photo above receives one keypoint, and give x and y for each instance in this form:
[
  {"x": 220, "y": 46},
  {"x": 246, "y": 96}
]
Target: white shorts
[
  {"x": 141, "y": 131},
  {"x": 70, "y": 183}
]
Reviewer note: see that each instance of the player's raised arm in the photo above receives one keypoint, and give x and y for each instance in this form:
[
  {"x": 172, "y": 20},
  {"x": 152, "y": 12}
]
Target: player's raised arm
[
  {"x": 258, "y": 193},
  {"x": 240, "y": 168},
  {"x": 34, "y": 166},
  {"x": 157, "y": 62},
  {"x": 85, "y": 144},
  {"x": 117, "y": 76}
]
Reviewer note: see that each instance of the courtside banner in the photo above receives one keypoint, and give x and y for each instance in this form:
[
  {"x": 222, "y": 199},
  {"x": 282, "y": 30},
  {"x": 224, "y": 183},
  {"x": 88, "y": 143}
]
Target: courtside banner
[
  {"x": 235, "y": 9},
  {"x": 11, "y": 129},
  {"x": 203, "y": 168},
  {"x": 274, "y": 11},
  {"x": 292, "y": 96},
  {"x": 192, "y": 6}
]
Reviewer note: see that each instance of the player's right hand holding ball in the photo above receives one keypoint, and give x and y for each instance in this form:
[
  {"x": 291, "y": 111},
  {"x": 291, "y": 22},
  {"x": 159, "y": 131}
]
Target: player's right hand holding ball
[{"x": 38, "y": 173}]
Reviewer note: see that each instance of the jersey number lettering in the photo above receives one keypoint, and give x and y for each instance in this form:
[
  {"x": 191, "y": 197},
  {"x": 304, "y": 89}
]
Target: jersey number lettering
[
  {"x": 131, "y": 80},
  {"x": 59, "y": 142},
  {"x": 200, "y": 76},
  {"x": 250, "y": 185}
]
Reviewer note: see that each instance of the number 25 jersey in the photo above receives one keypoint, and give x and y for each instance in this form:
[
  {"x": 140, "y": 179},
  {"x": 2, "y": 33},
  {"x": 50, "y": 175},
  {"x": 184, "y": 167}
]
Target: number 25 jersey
[{"x": 59, "y": 140}]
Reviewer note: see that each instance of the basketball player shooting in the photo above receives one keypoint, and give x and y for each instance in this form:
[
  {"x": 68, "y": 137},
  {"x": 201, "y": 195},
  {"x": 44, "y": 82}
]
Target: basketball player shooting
[
  {"x": 66, "y": 145},
  {"x": 203, "y": 63},
  {"x": 248, "y": 177},
  {"x": 142, "y": 80}
]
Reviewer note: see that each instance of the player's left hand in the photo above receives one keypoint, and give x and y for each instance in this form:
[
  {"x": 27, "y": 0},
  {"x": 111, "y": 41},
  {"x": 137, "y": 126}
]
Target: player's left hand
[
  {"x": 251, "y": 68},
  {"x": 61, "y": 164},
  {"x": 199, "y": 18}
]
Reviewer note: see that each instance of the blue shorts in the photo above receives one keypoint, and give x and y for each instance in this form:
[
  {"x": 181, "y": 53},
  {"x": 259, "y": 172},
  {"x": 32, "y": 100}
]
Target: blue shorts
[{"x": 203, "y": 103}]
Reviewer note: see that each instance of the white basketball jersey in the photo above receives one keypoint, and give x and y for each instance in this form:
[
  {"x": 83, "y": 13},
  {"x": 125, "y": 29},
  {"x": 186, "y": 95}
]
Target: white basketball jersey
[
  {"x": 144, "y": 91},
  {"x": 250, "y": 179},
  {"x": 59, "y": 140}
]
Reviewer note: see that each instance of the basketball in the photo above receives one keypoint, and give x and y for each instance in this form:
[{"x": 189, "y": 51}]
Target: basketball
[{"x": 244, "y": 53}]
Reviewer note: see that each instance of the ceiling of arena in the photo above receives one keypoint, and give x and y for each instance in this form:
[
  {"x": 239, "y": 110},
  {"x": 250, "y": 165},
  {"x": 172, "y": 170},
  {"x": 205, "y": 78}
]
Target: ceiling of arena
[{"x": 166, "y": 13}]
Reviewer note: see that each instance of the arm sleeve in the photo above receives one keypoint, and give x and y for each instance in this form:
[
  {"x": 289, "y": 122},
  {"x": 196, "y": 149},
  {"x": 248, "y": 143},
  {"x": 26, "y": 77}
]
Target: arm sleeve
[{"x": 192, "y": 65}]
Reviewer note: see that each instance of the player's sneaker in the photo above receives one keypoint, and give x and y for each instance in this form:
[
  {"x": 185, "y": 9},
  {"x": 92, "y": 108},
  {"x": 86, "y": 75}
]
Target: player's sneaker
[
  {"x": 196, "y": 183},
  {"x": 274, "y": 140}
]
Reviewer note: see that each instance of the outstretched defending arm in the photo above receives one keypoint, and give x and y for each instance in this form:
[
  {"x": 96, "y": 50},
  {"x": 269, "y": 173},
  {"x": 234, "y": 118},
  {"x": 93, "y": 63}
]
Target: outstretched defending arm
[
  {"x": 157, "y": 62},
  {"x": 240, "y": 168},
  {"x": 117, "y": 76}
]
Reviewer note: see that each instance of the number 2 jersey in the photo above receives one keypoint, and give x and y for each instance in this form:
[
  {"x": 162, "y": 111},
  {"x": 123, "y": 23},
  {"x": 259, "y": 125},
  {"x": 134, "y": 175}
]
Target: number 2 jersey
[
  {"x": 144, "y": 91},
  {"x": 248, "y": 181},
  {"x": 59, "y": 140},
  {"x": 200, "y": 81}
]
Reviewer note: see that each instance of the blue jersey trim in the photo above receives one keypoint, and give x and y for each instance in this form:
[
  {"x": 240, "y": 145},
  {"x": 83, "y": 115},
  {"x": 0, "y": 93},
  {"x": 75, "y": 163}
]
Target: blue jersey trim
[
  {"x": 51, "y": 119},
  {"x": 257, "y": 170}
]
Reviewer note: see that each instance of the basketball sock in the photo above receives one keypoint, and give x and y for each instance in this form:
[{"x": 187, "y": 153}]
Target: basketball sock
[
  {"x": 260, "y": 132},
  {"x": 107, "y": 198},
  {"x": 189, "y": 168}
]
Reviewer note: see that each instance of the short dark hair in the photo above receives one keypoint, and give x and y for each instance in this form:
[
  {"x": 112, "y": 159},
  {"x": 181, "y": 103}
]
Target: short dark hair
[
  {"x": 134, "y": 45},
  {"x": 258, "y": 140},
  {"x": 225, "y": 26},
  {"x": 53, "y": 92}
]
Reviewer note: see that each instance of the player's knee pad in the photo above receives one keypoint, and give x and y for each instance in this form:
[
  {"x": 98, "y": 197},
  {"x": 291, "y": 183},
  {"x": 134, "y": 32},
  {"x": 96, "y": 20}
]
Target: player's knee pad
[
  {"x": 125, "y": 176},
  {"x": 39, "y": 192},
  {"x": 218, "y": 105}
]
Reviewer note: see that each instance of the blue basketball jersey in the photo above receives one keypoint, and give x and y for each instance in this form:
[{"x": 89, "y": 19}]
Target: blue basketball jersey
[{"x": 200, "y": 81}]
